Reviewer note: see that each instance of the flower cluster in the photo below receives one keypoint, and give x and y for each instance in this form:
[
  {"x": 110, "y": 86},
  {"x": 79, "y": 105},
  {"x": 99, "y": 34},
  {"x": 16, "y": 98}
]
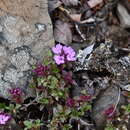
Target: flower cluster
[
  {"x": 68, "y": 77},
  {"x": 16, "y": 94},
  {"x": 63, "y": 54},
  {"x": 84, "y": 98},
  {"x": 4, "y": 118},
  {"x": 41, "y": 70},
  {"x": 70, "y": 102},
  {"x": 110, "y": 112}
]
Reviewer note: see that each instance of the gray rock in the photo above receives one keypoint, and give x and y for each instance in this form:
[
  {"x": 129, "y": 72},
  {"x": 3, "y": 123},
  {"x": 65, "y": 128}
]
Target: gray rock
[
  {"x": 53, "y": 4},
  {"x": 4, "y": 87},
  {"x": 12, "y": 75},
  {"x": 107, "y": 98},
  {"x": 25, "y": 36},
  {"x": 124, "y": 16},
  {"x": 3, "y": 57},
  {"x": 20, "y": 60}
]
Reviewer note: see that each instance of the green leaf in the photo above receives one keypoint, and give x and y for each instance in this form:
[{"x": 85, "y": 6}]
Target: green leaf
[
  {"x": 2, "y": 106},
  {"x": 127, "y": 108},
  {"x": 60, "y": 93},
  {"x": 38, "y": 123},
  {"x": 48, "y": 58},
  {"x": 67, "y": 112},
  {"x": 53, "y": 82},
  {"x": 75, "y": 113},
  {"x": 44, "y": 100},
  {"x": 55, "y": 69},
  {"x": 84, "y": 92},
  {"x": 10, "y": 107},
  {"x": 67, "y": 127},
  {"x": 33, "y": 67},
  {"x": 32, "y": 124},
  {"x": 63, "y": 119},
  {"x": 32, "y": 85},
  {"x": 28, "y": 124},
  {"x": 49, "y": 53},
  {"x": 42, "y": 80},
  {"x": 87, "y": 107},
  {"x": 59, "y": 107},
  {"x": 17, "y": 106},
  {"x": 110, "y": 127}
]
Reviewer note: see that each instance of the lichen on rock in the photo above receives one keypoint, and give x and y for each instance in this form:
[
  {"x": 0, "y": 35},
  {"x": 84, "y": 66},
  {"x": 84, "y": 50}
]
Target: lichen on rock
[{"x": 25, "y": 35}]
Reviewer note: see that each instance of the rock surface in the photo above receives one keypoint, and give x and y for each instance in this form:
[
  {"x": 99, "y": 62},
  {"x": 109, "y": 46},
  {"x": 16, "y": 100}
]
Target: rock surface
[
  {"x": 107, "y": 98},
  {"x": 25, "y": 35},
  {"x": 124, "y": 16},
  {"x": 105, "y": 72}
]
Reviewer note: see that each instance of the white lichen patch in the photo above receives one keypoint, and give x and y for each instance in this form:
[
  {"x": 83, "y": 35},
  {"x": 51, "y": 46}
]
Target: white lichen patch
[
  {"x": 20, "y": 60},
  {"x": 12, "y": 75}
]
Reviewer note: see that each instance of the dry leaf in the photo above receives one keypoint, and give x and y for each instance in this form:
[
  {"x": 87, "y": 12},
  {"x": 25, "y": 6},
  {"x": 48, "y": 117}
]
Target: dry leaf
[
  {"x": 127, "y": 87},
  {"x": 76, "y": 17},
  {"x": 70, "y": 2},
  {"x": 125, "y": 93},
  {"x": 123, "y": 16},
  {"x": 62, "y": 32},
  {"x": 93, "y": 3},
  {"x": 53, "y": 4}
]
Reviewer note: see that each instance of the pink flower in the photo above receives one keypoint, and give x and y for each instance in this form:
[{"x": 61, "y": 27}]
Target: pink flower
[
  {"x": 63, "y": 54},
  {"x": 4, "y": 118},
  {"x": 41, "y": 70},
  {"x": 68, "y": 50},
  {"x": 71, "y": 57},
  {"x": 15, "y": 92},
  {"x": 16, "y": 95},
  {"x": 70, "y": 102},
  {"x": 69, "y": 53},
  {"x": 57, "y": 49},
  {"x": 59, "y": 59},
  {"x": 84, "y": 98},
  {"x": 110, "y": 112},
  {"x": 68, "y": 77}
]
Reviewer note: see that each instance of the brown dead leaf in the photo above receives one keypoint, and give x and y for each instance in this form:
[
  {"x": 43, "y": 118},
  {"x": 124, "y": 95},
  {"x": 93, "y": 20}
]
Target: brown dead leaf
[
  {"x": 53, "y": 4},
  {"x": 75, "y": 17},
  {"x": 125, "y": 93},
  {"x": 70, "y": 2},
  {"x": 93, "y": 3},
  {"x": 62, "y": 32}
]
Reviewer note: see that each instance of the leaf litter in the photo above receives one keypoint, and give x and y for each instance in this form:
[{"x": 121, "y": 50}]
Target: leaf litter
[
  {"x": 100, "y": 35},
  {"x": 99, "y": 31}
]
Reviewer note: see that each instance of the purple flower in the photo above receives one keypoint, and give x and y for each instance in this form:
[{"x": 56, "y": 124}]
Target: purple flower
[
  {"x": 41, "y": 70},
  {"x": 16, "y": 95},
  {"x": 57, "y": 49},
  {"x": 69, "y": 53},
  {"x": 84, "y": 98},
  {"x": 15, "y": 92},
  {"x": 4, "y": 118},
  {"x": 70, "y": 102},
  {"x": 59, "y": 59},
  {"x": 68, "y": 50},
  {"x": 68, "y": 77},
  {"x": 63, "y": 54},
  {"x": 71, "y": 57},
  {"x": 110, "y": 112}
]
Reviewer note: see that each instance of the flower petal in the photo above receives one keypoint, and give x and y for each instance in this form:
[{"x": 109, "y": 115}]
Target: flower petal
[
  {"x": 59, "y": 59},
  {"x": 57, "y": 49}
]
